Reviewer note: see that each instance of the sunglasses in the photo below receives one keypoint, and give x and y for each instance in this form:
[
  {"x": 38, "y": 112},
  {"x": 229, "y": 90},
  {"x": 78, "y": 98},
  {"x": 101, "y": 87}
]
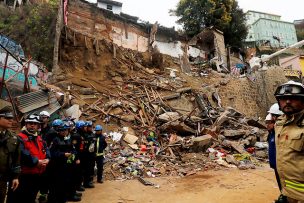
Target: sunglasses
[{"x": 289, "y": 89}]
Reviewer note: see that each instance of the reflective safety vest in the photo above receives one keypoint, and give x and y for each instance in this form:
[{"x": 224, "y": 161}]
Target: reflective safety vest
[
  {"x": 36, "y": 149},
  {"x": 294, "y": 185},
  {"x": 97, "y": 149}
]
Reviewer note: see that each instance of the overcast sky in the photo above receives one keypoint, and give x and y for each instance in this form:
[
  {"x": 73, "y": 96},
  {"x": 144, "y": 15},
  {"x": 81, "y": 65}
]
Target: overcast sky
[{"x": 157, "y": 10}]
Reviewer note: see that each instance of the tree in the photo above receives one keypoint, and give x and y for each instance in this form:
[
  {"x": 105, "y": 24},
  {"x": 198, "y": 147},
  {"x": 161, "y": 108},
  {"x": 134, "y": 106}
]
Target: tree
[
  {"x": 33, "y": 26},
  {"x": 300, "y": 30},
  {"x": 237, "y": 30},
  {"x": 225, "y": 15}
]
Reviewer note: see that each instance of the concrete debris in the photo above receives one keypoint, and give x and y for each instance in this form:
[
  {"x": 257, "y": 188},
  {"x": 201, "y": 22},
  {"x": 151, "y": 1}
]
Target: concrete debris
[
  {"x": 130, "y": 139},
  {"x": 201, "y": 143},
  {"x": 157, "y": 124}
]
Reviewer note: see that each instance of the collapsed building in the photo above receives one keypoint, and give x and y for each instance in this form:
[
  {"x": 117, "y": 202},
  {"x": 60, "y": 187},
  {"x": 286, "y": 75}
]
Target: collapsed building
[{"x": 163, "y": 99}]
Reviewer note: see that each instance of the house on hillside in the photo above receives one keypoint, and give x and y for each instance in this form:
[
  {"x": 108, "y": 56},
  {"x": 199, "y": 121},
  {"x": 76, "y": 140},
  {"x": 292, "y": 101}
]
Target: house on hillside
[
  {"x": 114, "y": 6},
  {"x": 211, "y": 41},
  {"x": 269, "y": 29}
]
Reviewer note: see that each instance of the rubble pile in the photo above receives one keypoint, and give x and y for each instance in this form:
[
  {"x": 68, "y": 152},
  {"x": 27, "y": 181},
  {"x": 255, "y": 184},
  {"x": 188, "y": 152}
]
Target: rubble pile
[{"x": 158, "y": 121}]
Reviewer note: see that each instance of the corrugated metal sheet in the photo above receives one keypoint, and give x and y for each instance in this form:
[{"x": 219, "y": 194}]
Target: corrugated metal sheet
[{"x": 35, "y": 102}]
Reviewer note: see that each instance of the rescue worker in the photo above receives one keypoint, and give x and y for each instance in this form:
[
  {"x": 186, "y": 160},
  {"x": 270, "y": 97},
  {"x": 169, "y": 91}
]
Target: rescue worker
[
  {"x": 78, "y": 143},
  {"x": 101, "y": 145},
  {"x": 34, "y": 159},
  {"x": 64, "y": 156},
  {"x": 53, "y": 132},
  {"x": 9, "y": 152},
  {"x": 273, "y": 113},
  {"x": 289, "y": 138},
  {"x": 45, "y": 128},
  {"x": 88, "y": 155}
]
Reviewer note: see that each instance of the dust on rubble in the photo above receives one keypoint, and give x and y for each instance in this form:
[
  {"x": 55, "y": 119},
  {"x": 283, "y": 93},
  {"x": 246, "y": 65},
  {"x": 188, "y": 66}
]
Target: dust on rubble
[{"x": 158, "y": 121}]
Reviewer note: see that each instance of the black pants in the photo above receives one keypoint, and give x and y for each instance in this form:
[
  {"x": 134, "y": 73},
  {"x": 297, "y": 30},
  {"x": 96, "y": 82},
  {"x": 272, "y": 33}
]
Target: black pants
[
  {"x": 44, "y": 187},
  {"x": 3, "y": 190},
  {"x": 29, "y": 185},
  {"x": 99, "y": 163},
  {"x": 88, "y": 168},
  {"x": 60, "y": 186}
]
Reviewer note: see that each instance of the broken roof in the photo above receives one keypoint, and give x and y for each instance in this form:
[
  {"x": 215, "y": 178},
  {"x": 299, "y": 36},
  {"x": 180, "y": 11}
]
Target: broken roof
[
  {"x": 205, "y": 39},
  {"x": 35, "y": 102},
  {"x": 115, "y": 3}
]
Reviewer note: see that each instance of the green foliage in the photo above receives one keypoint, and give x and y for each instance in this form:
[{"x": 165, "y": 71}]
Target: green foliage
[
  {"x": 224, "y": 15},
  {"x": 300, "y": 35},
  {"x": 33, "y": 26},
  {"x": 300, "y": 31}
]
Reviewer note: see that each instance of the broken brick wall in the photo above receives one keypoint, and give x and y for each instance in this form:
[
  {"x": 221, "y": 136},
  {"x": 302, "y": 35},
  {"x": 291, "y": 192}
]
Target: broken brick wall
[
  {"x": 87, "y": 19},
  {"x": 253, "y": 98}
]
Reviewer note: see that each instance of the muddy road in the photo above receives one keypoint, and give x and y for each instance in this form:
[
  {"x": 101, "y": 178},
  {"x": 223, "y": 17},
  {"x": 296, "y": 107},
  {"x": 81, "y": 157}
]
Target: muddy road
[{"x": 223, "y": 186}]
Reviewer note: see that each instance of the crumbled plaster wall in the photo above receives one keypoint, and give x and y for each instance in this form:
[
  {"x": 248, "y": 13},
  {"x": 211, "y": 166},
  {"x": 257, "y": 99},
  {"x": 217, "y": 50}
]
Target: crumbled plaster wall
[
  {"x": 253, "y": 98},
  {"x": 220, "y": 46}
]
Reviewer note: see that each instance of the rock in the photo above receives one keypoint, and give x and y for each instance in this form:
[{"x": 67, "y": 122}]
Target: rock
[
  {"x": 130, "y": 139},
  {"x": 238, "y": 147},
  {"x": 234, "y": 113},
  {"x": 235, "y": 133},
  {"x": 224, "y": 82},
  {"x": 220, "y": 120},
  {"x": 151, "y": 71},
  {"x": 169, "y": 116},
  {"x": 195, "y": 119},
  {"x": 117, "y": 111},
  {"x": 184, "y": 90},
  {"x": 249, "y": 141},
  {"x": 117, "y": 79},
  {"x": 86, "y": 91},
  {"x": 129, "y": 118},
  {"x": 231, "y": 160},
  {"x": 60, "y": 77},
  {"x": 171, "y": 96},
  {"x": 64, "y": 85},
  {"x": 201, "y": 143},
  {"x": 261, "y": 154},
  {"x": 256, "y": 123}
]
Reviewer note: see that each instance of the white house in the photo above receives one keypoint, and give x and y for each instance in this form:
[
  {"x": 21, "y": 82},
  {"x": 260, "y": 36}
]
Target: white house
[{"x": 110, "y": 5}]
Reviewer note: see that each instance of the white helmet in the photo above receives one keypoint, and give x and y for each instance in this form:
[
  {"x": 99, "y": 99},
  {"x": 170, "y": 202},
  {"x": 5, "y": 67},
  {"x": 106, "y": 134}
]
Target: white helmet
[
  {"x": 268, "y": 117},
  {"x": 44, "y": 113},
  {"x": 275, "y": 109},
  {"x": 291, "y": 88}
]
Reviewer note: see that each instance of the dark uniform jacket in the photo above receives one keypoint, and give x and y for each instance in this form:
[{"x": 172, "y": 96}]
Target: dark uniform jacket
[
  {"x": 49, "y": 136},
  {"x": 101, "y": 145},
  {"x": 59, "y": 147},
  {"x": 9, "y": 156},
  {"x": 89, "y": 143},
  {"x": 44, "y": 132}
]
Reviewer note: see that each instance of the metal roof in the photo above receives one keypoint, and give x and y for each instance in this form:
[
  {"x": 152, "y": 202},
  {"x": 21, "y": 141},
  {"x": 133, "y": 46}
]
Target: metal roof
[{"x": 35, "y": 102}]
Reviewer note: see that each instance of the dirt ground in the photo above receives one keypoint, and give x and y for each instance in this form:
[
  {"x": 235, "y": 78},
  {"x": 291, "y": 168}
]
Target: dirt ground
[{"x": 223, "y": 186}]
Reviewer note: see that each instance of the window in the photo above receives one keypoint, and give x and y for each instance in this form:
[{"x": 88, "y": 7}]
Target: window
[{"x": 109, "y": 7}]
